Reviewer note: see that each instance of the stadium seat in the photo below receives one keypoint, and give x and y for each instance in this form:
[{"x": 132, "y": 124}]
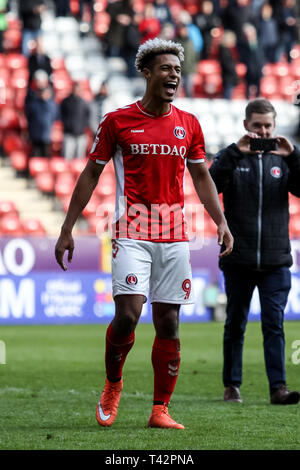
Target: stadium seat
[
  {"x": 45, "y": 182},
  {"x": 269, "y": 87},
  {"x": 295, "y": 226},
  {"x": 38, "y": 165},
  {"x": 19, "y": 79},
  {"x": 294, "y": 205},
  {"x": 241, "y": 70},
  {"x": 12, "y": 40},
  {"x": 16, "y": 61},
  {"x": 106, "y": 185},
  {"x": 9, "y": 118},
  {"x": 64, "y": 184},
  {"x": 33, "y": 227},
  {"x": 19, "y": 160},
  {"x": 209, "y": 67},
  {"x": 281, "y": 69},
  {"x": 8, "y": 207},
  {"x": 91, "y": 207},
  {"x": 77, "y": 166},
  {"x": 101, "y": 23},
  {"x": 11, "y": 225},
  {"x": 58, "y": 165},
  {"x": 12, "y": 142}
]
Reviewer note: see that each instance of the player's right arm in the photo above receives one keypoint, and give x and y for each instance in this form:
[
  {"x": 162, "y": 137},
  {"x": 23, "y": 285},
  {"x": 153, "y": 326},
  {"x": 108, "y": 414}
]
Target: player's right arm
[{"x": 81, "y": 195}]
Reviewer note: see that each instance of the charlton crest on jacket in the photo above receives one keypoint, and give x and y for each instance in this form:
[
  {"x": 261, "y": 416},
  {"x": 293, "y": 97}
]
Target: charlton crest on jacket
[{"x": 276, "y": 172}]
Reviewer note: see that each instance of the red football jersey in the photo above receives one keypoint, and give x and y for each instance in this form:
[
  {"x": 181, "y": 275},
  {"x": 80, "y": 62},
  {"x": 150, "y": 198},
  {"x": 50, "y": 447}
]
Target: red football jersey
[{"x": 149, "y": 154}]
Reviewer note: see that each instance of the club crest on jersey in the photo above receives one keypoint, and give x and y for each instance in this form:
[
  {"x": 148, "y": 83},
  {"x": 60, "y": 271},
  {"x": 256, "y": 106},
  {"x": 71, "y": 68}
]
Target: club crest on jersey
[
  {"x": 131, "y": 279},
  {"x": 276, "y": 172},
  {"x": 179, "y": 132}
]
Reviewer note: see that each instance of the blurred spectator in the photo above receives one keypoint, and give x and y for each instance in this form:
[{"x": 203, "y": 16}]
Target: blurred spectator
[
  {"x": 30, "y": 15},
  {"x": 254, "y": 61},
  {"x": 3, "y": 21},
  {"x": 188, "y": 67},
  {"x": 86, "y": 15},
  {"x": 206, "y": 20},
  {"x": 287, "y": 27},
  {"x": 163, "y": 12},
  {"x": 96, "y": 107},
  {"x": 228, "y": 64},
  {"x": 193, "y": 30},
  {"x": 62, "y": 7},
  {"x": 38, "y": 60},
  {"x": 168, "y": 32},
  {"x": 268, "y": 36},
  {"x": 130, "y": 46},
  {"x": 149, "y": 26},
  {"x": 75, "y": 115},
  {"x": 120, "y": 13},
  {"x": 41, "y": 112},
  {"x": 234, "y": 16}
]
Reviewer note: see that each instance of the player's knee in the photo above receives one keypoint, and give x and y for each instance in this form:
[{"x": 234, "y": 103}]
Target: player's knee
[{"x": 125, "y": 323}]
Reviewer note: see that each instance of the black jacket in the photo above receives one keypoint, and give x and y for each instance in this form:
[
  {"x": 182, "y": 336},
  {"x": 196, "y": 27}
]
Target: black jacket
[
  {"x": 255, "y": 196},
  {"x": 75, "y": 114}
]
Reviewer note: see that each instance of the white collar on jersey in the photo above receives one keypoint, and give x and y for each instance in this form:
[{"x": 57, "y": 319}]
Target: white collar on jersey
[{"x": 141, "y": 108}]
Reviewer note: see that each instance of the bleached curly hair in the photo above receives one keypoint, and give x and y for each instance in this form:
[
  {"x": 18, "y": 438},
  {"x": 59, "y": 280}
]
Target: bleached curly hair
[{"x": 156, "y": 46}]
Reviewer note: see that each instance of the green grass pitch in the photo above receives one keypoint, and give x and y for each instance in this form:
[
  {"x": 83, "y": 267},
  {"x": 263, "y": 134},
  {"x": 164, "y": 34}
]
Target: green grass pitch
[{"x": 50, "y": 384}]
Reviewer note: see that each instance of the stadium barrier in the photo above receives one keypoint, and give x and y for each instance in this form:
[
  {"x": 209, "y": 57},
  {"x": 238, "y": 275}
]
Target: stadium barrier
[{"x": 34, "y": 290}]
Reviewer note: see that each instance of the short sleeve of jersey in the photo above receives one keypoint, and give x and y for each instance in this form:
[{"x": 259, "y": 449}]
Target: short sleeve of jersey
[
  {"x": 104, "y": 146},
  {"x": 196, "y": 152}
]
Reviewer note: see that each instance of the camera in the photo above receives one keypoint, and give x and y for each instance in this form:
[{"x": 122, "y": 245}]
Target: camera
[{"x": 263, "y": 144}]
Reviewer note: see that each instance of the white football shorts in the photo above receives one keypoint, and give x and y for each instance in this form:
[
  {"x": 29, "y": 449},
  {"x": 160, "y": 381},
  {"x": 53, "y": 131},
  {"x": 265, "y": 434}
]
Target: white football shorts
[{"x": 164, "y": 268}]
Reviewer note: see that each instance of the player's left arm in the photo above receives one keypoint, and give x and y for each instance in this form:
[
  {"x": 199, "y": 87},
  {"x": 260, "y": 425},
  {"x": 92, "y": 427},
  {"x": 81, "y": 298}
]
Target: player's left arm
[{"x": 208, "y": 195}]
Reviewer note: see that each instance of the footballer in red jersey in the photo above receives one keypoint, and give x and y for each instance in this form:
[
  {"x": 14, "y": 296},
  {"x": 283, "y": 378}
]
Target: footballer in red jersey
[{"x": 151, "y": 143}]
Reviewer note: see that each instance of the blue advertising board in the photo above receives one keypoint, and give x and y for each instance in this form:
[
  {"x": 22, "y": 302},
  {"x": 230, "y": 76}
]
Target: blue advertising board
[
  {"x": 67, "y": 298},
  {"x": 34, "y": 289}
]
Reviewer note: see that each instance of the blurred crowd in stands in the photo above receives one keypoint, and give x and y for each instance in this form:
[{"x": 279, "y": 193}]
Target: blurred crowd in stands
[
  {"x": 230, "y": 47},
  {"x": 234, "y": 49}
]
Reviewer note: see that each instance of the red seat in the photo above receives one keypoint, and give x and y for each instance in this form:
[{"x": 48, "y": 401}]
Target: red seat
[
  {"x": 209, "y": 67},
  {"x": 295, "y": 226},
  {"x": 58, "y": 63},
  {"x": 19, "y": 79},
  {"x": 19, "y": 160},
  {"x": 12, "y": 142},
  {"x": 9, "y": 118},
  {"x": 16, "y": 61},
  {"x": 91, "y": 207},
  {"x": 33, "y": 227},
  {"x": 269, "y": 86},
  {"x": 8, "y": 207},
  {"x": 38, "y": 165},
  {"x": 58, "y": 165},
  {"x": 12, "y": 40},
  {"x": 106, "y": 185},
  {"x": 241, "y": 69},
  {"x": 64, "y": 184},
  {"x": 281, "y": 69},
  {"x": 213, "y": 85},
  {"x": 101, "y": 23},
  {"x": 77, "y": 165},
  {"x": 10, "y": 224},
  {"x": 45, "y": 182},
  {"x": 98, "y": 224}
]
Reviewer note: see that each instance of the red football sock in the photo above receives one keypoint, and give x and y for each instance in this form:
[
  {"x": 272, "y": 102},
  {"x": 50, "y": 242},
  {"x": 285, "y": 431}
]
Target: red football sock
[
  {"x": 165, "y": 361},
  {"x": 117, "y": 348}
]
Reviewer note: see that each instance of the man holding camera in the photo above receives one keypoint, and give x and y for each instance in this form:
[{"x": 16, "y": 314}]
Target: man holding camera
[{"x": 255, "y": 176}]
